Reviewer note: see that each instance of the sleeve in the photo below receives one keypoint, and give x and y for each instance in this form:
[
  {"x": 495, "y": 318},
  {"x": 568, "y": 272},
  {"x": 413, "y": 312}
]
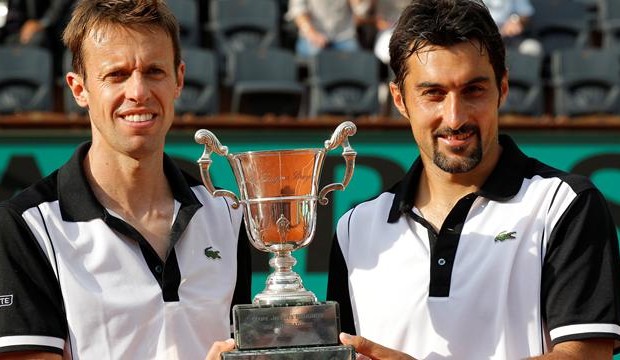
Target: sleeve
[
  {"x": 581, "y": 273},
  {"x": 296, "y": 8},
  {"x": 32, "y": 316},
  {"x": 338, "y": 286}
]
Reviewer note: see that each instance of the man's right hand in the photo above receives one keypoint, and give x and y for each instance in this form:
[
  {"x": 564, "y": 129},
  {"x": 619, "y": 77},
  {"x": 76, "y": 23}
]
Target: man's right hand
[
  {"x": 372, "y": 350},
  {"x": 219, "y": 347}
]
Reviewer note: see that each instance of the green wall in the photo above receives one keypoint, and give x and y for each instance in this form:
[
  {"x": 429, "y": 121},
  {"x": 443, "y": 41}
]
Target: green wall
[{"x": 383, "y": 156}]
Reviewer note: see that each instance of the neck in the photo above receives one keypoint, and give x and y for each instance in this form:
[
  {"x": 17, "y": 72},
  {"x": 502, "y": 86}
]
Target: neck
[
  {"x": 137, "y": 190},
  {"x": 125, "y": 184},
  {"x": 438, "y": 191}
]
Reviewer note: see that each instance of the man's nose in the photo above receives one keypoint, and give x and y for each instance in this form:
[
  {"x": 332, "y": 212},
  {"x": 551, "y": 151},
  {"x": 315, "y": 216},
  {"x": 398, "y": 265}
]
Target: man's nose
[
  {"x": 136, "y": 88},
  {"x": 455, "y": 111}
]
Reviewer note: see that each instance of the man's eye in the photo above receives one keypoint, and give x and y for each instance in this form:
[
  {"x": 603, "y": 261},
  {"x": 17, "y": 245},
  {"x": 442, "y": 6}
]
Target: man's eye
[
  {"x": 474, "y": 90},
  {"x": 156, "y": 71},
  {"x": 115, "y": 74},
  {"x": 433, "y": 93}
]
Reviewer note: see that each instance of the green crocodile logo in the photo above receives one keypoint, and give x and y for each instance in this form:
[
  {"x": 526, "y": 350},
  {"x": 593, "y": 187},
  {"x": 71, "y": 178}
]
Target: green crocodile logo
[
  {"x": 505, "y": 235},
  {"x": 212, "y": 254}
]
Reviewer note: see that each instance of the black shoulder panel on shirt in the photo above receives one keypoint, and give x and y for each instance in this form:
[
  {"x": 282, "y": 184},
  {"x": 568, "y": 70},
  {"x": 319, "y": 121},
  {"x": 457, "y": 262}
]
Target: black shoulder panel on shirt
[
  {"x": 578, "y": 183},
  {"x": 44, "y": 190}
]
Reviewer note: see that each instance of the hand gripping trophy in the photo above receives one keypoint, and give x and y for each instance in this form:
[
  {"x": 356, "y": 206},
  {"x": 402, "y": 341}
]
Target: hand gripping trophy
[{"x": 278, "y": 190}]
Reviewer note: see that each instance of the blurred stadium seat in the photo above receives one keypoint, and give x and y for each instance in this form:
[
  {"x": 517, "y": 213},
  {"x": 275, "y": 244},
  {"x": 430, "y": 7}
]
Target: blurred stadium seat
[
  {"x": 26, "y": 79},
  {"x": 200, "y": 93},
  {"x": 609, "y": 22},
  {"x": 343, "y": 83},
  {"x": 526, "y": 92},
  {"x": 264, "y": 81},
  {"x": 561, "y": 24},
  {"x": 186, "y": 12},
  {"x": 241, "y": 24},
  {"x": 586, "y": 82}
]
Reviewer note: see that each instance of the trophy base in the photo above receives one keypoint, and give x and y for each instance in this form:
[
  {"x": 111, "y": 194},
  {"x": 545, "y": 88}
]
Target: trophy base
[
  {"x": 271, "y": 327},
  {"x": 339, "y": 352}
]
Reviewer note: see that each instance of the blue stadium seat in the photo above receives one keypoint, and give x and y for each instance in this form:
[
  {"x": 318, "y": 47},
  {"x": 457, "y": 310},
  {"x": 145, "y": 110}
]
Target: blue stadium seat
[
  {"x": 237, "y": 25},
  {"x": 343, "y": 83},
  {"x": 200, "y": 93},
  {"x": 561, "y": 24},
  {"x": 609, "y": 22},
  {"x": 586, "y": 82},
  {"x": 26, "y": 79},
  {"x": 264, "y": 81},
  {"x": 526, "y": 87},
  {"x": 186, "y": 12}
]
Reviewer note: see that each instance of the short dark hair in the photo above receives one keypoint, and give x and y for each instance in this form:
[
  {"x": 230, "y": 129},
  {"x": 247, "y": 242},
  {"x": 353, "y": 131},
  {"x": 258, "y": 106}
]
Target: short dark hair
[
  {"x": 445, "y": 23},
  {"x": 99, "y": 14}
]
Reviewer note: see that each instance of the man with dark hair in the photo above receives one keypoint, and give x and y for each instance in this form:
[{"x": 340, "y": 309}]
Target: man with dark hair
[
  {"x": 111, "y": 256},
  {"x": 479, "y": 252}
]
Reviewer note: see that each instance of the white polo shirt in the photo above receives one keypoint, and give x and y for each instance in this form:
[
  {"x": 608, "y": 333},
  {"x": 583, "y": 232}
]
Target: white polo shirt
[
  {"x": 79, "y": 280},
  {"x": 529, "y": 260}
]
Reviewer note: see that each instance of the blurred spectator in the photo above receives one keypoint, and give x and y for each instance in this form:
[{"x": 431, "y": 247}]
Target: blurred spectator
[
  {"x": 4, "y": 9},
  {"x": 386, "y": 15},
  {"x": 32, "y": 22},
  {"x": 511, "y": 17},
  {"x": 326, "y": 24}
]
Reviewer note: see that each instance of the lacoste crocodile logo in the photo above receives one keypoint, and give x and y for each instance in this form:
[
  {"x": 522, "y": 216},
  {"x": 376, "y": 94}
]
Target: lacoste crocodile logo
[
  {"x": 212, "y": 254},
  {"x": 505, "y": 235}
]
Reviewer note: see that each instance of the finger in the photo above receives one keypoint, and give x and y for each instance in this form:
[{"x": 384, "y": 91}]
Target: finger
[
  {"x": 219, "y": 347},
  {"x": 372, "y": 350}
]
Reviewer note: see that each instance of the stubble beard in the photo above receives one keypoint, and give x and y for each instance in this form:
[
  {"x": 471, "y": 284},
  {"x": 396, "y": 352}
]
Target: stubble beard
[{"x": 463, "y": 162}]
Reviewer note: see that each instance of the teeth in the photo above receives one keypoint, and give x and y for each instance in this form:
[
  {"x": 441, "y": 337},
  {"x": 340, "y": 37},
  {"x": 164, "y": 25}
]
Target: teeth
[
  {"x": 139, "y": 117},
  {"x": 458, "y": 137}
]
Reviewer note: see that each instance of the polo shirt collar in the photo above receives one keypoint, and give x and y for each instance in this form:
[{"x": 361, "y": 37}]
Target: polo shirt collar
[
  {"x": 503, "y": 183},
  {"x": 78, "y": 202}
]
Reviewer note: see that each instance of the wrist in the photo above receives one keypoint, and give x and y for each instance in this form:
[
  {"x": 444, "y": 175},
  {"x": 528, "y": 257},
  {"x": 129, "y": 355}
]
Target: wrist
[{"x": 305, "y": 28}]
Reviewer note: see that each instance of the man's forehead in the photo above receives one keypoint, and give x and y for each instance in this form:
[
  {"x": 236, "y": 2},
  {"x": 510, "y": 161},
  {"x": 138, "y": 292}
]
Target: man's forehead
[
  {"x": 456, "y": 64},
  {"x": 105, "y": 33},
  {"x": 107, "y": 47},
  {"x": 425, "y": 50}
]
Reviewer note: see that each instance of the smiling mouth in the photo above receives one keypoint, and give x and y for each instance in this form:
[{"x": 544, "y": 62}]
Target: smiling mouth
[
  {"x": 137, "y": 118},
  {"x": 460, "y": 136}
]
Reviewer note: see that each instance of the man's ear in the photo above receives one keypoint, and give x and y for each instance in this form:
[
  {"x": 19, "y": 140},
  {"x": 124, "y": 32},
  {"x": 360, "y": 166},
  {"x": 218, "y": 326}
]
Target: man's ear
[
  {"x": 398, "y": 99},
  {"x": 78, "y": 89},
  {"x": 180, "y": 80},
  {"x": 503, "y": 89}
]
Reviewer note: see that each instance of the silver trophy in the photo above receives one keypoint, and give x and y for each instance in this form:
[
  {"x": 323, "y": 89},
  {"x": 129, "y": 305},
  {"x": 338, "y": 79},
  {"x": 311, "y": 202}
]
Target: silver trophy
[{"x": 279, "y": 192}]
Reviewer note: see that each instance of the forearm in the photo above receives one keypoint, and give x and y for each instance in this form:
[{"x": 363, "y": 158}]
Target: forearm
[
  {"x": 304, "y": 24},
  {"x": 29, "y": 355},
  {"x": 592, "y": 349}
]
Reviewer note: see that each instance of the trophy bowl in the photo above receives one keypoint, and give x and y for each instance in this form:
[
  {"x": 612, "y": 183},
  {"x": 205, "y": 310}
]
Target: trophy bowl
[{"x": 279, "y": 192}]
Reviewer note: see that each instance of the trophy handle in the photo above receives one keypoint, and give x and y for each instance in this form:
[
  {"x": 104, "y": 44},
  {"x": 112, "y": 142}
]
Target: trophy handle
[
  {"x": 341, "y": 137},
  {"x": 212, "y": 144}
]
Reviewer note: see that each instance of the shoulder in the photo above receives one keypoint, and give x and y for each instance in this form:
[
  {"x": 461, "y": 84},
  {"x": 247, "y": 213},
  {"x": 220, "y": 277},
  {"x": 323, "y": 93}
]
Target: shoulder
[
  {"x": 44, "y": 190},
  {"x": 576, "y": 182},
  {"x": 366, "y": 213}
]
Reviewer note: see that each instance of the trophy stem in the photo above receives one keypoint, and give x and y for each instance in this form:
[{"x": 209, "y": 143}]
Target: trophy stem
[{"x": 284, "y": 286}]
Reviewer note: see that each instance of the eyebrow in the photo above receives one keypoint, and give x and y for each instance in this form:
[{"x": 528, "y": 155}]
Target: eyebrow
[{"x": 476, "y": 80}]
